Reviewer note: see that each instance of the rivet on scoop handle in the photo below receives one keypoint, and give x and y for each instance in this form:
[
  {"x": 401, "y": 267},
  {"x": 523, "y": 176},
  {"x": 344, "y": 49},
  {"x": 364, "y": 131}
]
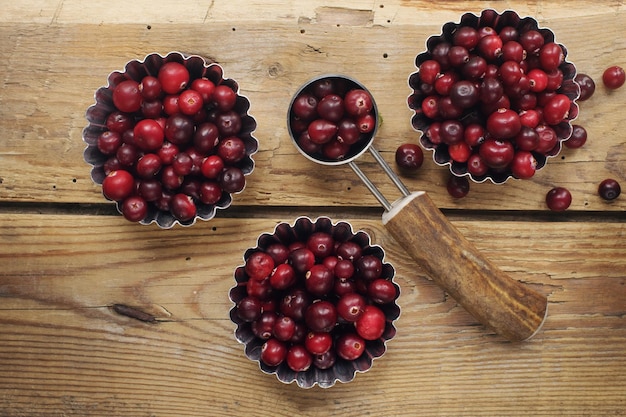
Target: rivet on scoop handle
[{"x": 501, "y": 303}]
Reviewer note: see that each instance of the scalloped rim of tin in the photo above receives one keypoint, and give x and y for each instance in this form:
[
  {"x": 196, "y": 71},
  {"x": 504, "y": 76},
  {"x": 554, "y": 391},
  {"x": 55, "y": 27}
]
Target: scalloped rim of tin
[
  {"x": 541, "y": 158},
  {"x": 357, "y": 149},
  {"x": 313, "y": 376},
  {"x": 166, "y": 220}
]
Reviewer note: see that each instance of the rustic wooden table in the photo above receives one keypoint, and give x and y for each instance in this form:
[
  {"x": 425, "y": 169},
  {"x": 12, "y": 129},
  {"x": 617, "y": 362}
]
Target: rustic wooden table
[{"x": 66, "y": 256}]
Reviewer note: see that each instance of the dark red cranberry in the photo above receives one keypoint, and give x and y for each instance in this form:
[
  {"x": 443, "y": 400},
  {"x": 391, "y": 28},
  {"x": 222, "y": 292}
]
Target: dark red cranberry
[
  {"x": 249, "y": 309},
  {"x": 350, "y": 346},
  {"x": 321, "y": 316},
  {"x": 273, "y": 352},
  {"x": 295, "y": 303},
  {"x": 457, "y": 187},
  {"x": 263, "y": 327},
  {"x": 331, "y": 108},
  {"x": 232, "y": 179},
  {"x": 578, "y": 137},
  {"x": 351, "y": 306},
  {"x": 558, "y": 199},
  {"x": 409, "y": 156},
  {"x": 319, "y": 280},
  {"x": 368, "y": 267},
  {"x": 587, "y": 86},
  {"x": 609, "y": 189}
]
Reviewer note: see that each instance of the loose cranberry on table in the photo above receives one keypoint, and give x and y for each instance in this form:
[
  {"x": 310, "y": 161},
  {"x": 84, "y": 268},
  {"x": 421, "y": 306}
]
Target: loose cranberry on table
[
  {"x": 614, "y": 77},
  {"x": 609, "y": 189},
  {"x": 457, "y": 187},
  {"x": 409, "y": 156},
  {"x": 558, "y": 199}
]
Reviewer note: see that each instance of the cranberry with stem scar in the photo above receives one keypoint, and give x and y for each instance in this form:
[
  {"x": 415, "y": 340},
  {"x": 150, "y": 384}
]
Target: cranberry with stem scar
[
  {"x": 609, "y": 189},
  {"x": 409, "y": 156}
]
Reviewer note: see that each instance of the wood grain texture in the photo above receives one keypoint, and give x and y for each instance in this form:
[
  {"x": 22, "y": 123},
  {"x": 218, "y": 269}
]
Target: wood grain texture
[
  {"x": 101, "y": 317},
  {"x": 64, "y": 350}
]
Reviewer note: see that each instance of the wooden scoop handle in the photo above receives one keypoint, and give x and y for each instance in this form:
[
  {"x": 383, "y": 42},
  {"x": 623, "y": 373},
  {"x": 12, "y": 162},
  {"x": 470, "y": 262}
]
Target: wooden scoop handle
[{"x": 501, "y": 303}]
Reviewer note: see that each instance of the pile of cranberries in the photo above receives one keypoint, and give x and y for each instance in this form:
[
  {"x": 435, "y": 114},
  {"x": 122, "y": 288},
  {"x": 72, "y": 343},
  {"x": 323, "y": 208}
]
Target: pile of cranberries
[
  {"x": 332, "y": 118},
  {"x": 314, "y": 295},
  {"x": 493, "y": 96},
  {"x": 176, "y": 137}
]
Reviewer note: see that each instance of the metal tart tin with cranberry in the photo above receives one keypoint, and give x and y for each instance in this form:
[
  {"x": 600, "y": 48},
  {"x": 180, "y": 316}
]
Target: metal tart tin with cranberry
[
  {"x": 293, "y": 236},
  {"x": 136, "y": 69},
  {"x": 421, "y": 91}
]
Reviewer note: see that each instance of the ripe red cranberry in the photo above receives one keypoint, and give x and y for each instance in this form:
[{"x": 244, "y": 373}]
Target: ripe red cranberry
[
  {"x": 249, "y": 309},
  {"x": 183, "y": 207},
  {"x": 358, "y": 102},
  {"x": 298, "y": 358},
  {"x": 284, "y": 328},
  {"x": 331, "y": 108},
  {"x": 283, "y": 277},
  {"x": 119, "y": 122},
  {"x": 551, "y": 56},
  {"x": 558, "y": 199},
  {"x": 335, "y": 150},
  {"x": 476, "y": 166},
  {"x": 504, "y": 124},
  {"x": 490, "y": 47},
  {"x": 587, "y": 86},
  {"x": 382, "y": 291},
  {"x": 118, "y": 185},
  {"x": 459, "y": 152},
  {"x": 465, "y": 36},
  {"x": 134, "y": 208},
  {"x": 349, "y": 250},
  {"x": 232, "y": 179},
  {"x": 578, "y": 137},
  {"x": 497, "y": 153},
  {"x": 321, "y": 316},
  {"x": 609, "y": 189},
  {"x": 210, "y": 192},
  {"x": 263, "y": 327},
  {"x": 305, "y": 106},
  {"x": 224, "y": 97},
  {"x": 452, "y": 131},
  {"x": 350, "y": 346},
  {"x": 523, "y": 165},
  {"x": 325, "y": 360},
  {"x": 279, "y": 252},
  {"x": 322, "y": 131},
  {"x": 127, "y": 97},
  {"x": 429, "y": 71},
  {"x": 173, "y": 77},
  {"x": 302, "y": 259},
  {"x": 273, "y": 352},
  {"x": 532, "y": 41},
  {"x": 190, "y": 102},
  {"x": 457, "y": 187},
  {"x": 351, "y": 306},
  {"x": 409, "y": 156},
  {"x": 151, "y": 189},
  {"x": 259, "y": 265},
  {"x": 548, "y": 139},
  {"x": 319, "y": 280},
  {"x": 366, "y": 123},
  {"x": 458, "y": 55},
  {"x": 371, "y": 324},
  {"x": 295, "y": 303},
  {"x": 205, "y": 87},
  {"x": 368, "y": 267},
  {"x": 109, "y": 142},
  {"x": 318, "y": 343},
  {"x": 556, "y": 109},
  {"x": 613, "y": 77},
  {"x": 321, "y": 244},
  {"x": 464, "y": 94},
  {"x": 150, "y": 87},
  {"x": 527, "y": 139}
]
